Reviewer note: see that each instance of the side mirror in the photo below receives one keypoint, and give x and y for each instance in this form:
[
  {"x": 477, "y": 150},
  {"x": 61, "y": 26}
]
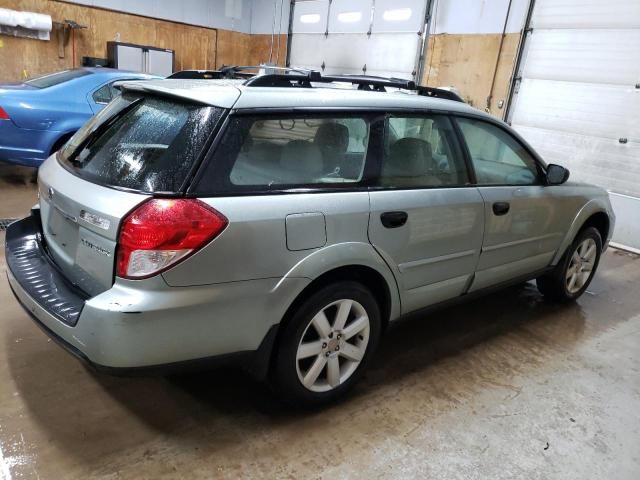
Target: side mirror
[{"x": 556, "y": 175}]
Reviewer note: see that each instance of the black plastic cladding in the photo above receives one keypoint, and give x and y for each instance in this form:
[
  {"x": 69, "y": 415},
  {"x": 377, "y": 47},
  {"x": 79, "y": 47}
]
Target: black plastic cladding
[{"x": 28, "y": 262}]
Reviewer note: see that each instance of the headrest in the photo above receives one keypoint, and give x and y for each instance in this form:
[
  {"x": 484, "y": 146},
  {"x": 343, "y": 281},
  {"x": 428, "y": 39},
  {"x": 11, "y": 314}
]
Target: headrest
[
  {"x": 409, "y": 157},
  {"x": 332, "y": 135}
]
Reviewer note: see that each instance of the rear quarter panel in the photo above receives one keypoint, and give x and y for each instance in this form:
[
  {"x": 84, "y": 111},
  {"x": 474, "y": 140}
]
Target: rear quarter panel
[
  {"x": 254, "y": 244},
  {"x": 49, "y": 109}
]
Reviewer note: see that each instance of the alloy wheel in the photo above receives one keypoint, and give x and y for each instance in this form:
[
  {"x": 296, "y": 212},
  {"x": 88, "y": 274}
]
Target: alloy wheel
[
  {"x": 581, "y": 265},
  {"x": 332, "y": 345}
]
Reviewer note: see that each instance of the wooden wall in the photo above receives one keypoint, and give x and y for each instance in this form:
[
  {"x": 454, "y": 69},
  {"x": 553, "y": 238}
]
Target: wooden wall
[
  {"x": 467, "y": 62},
  {"x": 235, "y": 48},
  {"x": 195, "y": 47},
  {"x": 260, "y": 49}
]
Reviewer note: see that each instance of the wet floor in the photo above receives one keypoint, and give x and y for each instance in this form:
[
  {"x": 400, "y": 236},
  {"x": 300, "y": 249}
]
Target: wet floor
[{"x": 503, "y": 387}]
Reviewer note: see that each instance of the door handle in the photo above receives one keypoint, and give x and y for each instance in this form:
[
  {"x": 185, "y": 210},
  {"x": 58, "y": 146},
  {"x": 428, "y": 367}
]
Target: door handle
[
  {"x": 394, "y": 219},
  {"x": 501, "y": 208}
]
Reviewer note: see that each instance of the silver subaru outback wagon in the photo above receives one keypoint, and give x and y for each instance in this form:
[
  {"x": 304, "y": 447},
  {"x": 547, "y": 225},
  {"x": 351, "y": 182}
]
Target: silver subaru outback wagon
[{"x": 285, "y": 223}]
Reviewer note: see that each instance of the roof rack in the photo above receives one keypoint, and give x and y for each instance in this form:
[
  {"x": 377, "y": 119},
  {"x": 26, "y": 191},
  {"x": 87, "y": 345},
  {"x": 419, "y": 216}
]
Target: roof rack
[
  {"x": 365, "y": 82},
  {"x": 439, "y": 93},
  {"x": 233, "y": 72},
  {"x": 295, "y": 79},
  {"x": 266, "y": 76},
  {"x": 223, "y": 73},
  {"x": 196, "y": 75},
  {"x": 304, "y": 79}
]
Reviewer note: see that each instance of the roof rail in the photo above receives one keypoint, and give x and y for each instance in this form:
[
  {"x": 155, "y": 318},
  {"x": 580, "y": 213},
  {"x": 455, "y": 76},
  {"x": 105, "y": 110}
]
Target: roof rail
[
  {"x": 365, "y": 82},
  {"x": 438, "y": 93},
  {"x": 222, "y": 73},
  {"x": 302, "y": 78},
  {"x": 296, "y": 79},
  {"x": 235, "y": 72},
  {"x": 197, "y": 75}
]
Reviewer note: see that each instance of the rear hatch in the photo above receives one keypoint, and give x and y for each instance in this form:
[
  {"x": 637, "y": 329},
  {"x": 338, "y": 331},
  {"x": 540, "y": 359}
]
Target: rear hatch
[{"x": 139, "y": 146}]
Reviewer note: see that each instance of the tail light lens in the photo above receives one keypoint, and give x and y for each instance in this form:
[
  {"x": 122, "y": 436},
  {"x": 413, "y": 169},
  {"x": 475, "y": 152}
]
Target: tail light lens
[
  {"x": 4, "y": 115},
  {"x": 163, "y": 232}
]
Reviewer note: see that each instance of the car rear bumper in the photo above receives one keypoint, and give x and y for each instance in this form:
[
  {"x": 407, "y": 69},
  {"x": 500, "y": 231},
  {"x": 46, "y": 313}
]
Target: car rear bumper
[
  {"x": 147, "y": 325},
  {"x": 30, "y": 267},
  {"x": 22, "y": 156}
]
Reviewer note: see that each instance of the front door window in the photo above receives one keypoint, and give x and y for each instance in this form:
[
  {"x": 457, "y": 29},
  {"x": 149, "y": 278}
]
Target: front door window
[{"x": 498, "y": 158}]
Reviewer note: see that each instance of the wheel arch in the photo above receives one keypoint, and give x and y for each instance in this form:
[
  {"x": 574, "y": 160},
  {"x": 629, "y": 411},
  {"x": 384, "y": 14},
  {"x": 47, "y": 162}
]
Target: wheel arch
[
  {"x": 60, "y": 141},
  {"x": 600, "y": 221},
  {"x": 350, "y": 261},
  {"x": 594, "y": 213},
  {"x": 365, "y": 275},
  {"x": 326, "y": 266}
]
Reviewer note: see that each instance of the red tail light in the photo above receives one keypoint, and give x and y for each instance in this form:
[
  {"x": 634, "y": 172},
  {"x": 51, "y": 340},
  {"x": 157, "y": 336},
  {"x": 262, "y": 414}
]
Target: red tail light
[
  {"x": 4, "y": 115},
  {"x": 163, "y": 232}
]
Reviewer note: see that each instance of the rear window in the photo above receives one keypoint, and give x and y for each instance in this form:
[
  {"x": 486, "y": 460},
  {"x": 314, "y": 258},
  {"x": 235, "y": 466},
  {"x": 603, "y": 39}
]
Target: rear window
[
  {"x": 143, "y": 143},
  {"x": 57, "y": 78},
  {"x": 264, "y": 153}
]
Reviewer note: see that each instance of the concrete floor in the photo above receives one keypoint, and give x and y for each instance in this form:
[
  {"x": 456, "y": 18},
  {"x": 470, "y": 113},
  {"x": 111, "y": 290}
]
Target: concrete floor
[
  {"x": 504, "y": 387},
  {"x": 17, "y": 191}
]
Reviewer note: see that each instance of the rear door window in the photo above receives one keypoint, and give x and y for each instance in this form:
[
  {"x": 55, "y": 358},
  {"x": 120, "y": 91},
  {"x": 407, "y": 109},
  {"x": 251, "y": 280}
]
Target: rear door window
[
  {"x": 263, "y": 153},
  {"x": 143, "y": 143},
  {"x": 421, "y": 151}
]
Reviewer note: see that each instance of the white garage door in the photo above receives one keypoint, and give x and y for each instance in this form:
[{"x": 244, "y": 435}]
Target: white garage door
[
  {"x": 376, "y": 37},
  {"x": 578, "y": 101}
]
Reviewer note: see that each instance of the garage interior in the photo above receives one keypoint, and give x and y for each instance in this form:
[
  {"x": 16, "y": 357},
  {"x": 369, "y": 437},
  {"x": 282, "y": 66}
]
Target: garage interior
[{"x": 506, "y": 386}]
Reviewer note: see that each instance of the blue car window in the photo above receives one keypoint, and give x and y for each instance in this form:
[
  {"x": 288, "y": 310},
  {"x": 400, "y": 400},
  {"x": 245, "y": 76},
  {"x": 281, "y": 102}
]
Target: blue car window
[
  {"x": 102, "y": 95},
  {"x": 114, "y": 91},
  {"x": 57, "y": 78}
]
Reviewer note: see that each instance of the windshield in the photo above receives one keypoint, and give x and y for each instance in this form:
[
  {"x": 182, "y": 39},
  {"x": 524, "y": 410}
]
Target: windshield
[
  {"x": 143, "y": 143},
  {"x": 57, "y": 78}
]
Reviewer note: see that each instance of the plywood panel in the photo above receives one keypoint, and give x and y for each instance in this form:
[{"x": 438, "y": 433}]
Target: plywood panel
[
  {"x": 22, "y": 58},
  {"x": 467, "y": 62},
  {"x": 260, "y": 49},
  {"x": 233, "y": 48}
]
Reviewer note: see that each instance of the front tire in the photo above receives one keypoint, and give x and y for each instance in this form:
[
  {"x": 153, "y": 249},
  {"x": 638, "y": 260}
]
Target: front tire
[
  {"x": 575, "y": 270},
  {"x": 326, "y": 344}
]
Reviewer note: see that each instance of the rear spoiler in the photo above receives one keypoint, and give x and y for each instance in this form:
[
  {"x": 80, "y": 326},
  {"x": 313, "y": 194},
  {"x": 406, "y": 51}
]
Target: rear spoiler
[{"x": 223, "y": 97}]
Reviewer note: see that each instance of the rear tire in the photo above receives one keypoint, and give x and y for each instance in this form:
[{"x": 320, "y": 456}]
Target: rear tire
[
  {"x": 575, "y": 270},
  {"x": 326, "y": 344}
]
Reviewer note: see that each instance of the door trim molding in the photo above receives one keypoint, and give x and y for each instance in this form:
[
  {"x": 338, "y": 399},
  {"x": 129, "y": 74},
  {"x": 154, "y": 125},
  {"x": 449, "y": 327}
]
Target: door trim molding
[
  {"x": 491, "y": 248},
  {"x": 403, "y": 267}
]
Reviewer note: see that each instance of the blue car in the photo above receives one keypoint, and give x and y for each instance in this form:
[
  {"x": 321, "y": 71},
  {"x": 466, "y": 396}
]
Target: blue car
[{"x": 38, "y": 116}]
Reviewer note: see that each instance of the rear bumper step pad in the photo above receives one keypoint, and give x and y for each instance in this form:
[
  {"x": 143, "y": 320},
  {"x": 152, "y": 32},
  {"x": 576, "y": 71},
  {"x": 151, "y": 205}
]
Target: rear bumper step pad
[{"x": 37, "y": 275}]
